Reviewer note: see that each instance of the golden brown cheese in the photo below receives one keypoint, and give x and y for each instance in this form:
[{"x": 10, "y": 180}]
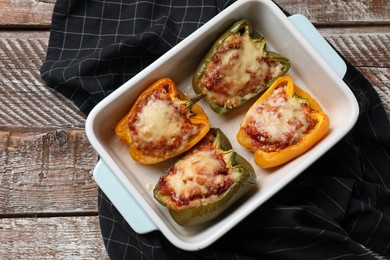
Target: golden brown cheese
[
  {"x": 236, "y": 69},
  {"x": 278, "y": 122},
  {"x": 197, "y": 178},
  {"x": 158, "y": 119},
  {"x": 161, "y": 126}
]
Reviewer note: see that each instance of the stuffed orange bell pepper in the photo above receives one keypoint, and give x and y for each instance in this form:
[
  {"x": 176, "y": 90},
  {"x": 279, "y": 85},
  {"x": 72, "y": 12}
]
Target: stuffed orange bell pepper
[
  {"x": 162, "y": 123},
  {"x": 282, "y": 124}
]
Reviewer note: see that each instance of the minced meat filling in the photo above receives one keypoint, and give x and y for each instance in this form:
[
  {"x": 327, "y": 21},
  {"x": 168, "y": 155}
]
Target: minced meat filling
[
  {"x": 236, "y": 69},
  {"x": 278, "y": 122},
  {"x": 161, "y": 125},
  {"x": 197, "y": 178}
]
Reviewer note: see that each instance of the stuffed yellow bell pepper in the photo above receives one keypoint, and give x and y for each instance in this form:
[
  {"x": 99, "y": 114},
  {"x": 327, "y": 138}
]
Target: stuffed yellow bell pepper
[
  {"x": 282, "y": 124},
  {"x": 162, "y": 123}
]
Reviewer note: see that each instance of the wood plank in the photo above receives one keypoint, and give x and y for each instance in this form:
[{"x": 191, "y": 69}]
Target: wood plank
[
  {"x": 367, "y": 48},
  {"x": 51, "y": 238},
  {"x": 46, "y": 172},
  {"x": 21, "y": 13},
  {"x": 25, "y": 100},
  {"x": 331, "y": 12},
  {"x": 362, "y": 46}
]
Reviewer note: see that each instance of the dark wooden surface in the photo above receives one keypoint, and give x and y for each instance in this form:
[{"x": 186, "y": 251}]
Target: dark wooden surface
[{"x": 48, "y": 199}]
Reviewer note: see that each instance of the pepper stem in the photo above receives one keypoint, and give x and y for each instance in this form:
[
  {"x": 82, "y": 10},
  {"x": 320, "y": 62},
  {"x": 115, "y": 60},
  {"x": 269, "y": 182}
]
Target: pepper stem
[{"x": 194, "y": 100}]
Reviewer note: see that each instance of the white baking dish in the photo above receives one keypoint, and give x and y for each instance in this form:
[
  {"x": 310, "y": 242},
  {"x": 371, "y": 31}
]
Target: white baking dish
[{"x": 309, "y": 70}]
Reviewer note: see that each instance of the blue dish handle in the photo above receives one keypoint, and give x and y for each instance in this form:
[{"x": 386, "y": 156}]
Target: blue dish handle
[
  {"x": 124, "y": 201},
  {"x": 323, "y": 48}
]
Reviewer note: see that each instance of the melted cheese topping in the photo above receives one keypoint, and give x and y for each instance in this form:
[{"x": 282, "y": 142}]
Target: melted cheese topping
[
  {"x": 237, "y": 68},
  {"x": 158, "y": 119},
  {"x": 161, "y": 127},
  {"x": 192, "y": 173},
  {"x": 198, "y": 179},
  {"x": 278, "y": 122},
  {"x": 241, "y": 61}
]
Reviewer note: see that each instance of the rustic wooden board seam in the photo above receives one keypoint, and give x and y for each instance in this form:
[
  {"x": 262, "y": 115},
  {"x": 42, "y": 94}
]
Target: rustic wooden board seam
[{"x": 48, "y": 238}]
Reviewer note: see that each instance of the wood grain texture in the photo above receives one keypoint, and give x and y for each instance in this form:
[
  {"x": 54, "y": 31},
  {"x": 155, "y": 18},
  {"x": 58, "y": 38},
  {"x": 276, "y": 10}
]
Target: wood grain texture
[
  {"x": 46, "y": 172},
  {"x": 51, "y": 238},
  {"x": 46, "y": 161},
  {"x": 21, "y": 13},
  {"x": 25, "y": 100},
  {"x": 367, "y": 48},
  {"x": 335, "y": 12},
  {"x": 362, "y": 46}
]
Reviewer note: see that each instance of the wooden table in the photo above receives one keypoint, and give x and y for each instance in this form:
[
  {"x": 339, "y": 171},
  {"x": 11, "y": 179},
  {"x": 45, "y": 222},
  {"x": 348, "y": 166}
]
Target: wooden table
[{"x": 48, "y": 199}]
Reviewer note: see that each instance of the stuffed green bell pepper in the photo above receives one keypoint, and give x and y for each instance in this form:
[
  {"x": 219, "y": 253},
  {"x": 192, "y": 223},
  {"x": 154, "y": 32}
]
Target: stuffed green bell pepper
[
  {"x": 207, "y": 180},
  {"x": 237, "y": 68}
]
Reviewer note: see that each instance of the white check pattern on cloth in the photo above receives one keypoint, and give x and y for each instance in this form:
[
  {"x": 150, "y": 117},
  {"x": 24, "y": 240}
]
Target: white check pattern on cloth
[
  {"x": 339, "y": 208},
  {"x": 96, "y": 46}
]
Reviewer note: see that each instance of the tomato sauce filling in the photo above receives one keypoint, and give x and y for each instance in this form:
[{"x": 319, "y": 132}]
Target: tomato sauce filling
[
  {"x": 237, "y": 68},
  {"x": 278, "y": 122},
  {"x": 160, "y": 125},
  {"x": 199, "y": 178}
]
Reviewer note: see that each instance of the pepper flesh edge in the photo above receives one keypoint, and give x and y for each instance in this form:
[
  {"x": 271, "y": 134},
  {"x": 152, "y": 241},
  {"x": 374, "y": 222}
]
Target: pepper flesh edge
[
  {"x": 320, "y": 130},
  {"x": 272, "y": 159},
  {"x": 198, "y": 116}
]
